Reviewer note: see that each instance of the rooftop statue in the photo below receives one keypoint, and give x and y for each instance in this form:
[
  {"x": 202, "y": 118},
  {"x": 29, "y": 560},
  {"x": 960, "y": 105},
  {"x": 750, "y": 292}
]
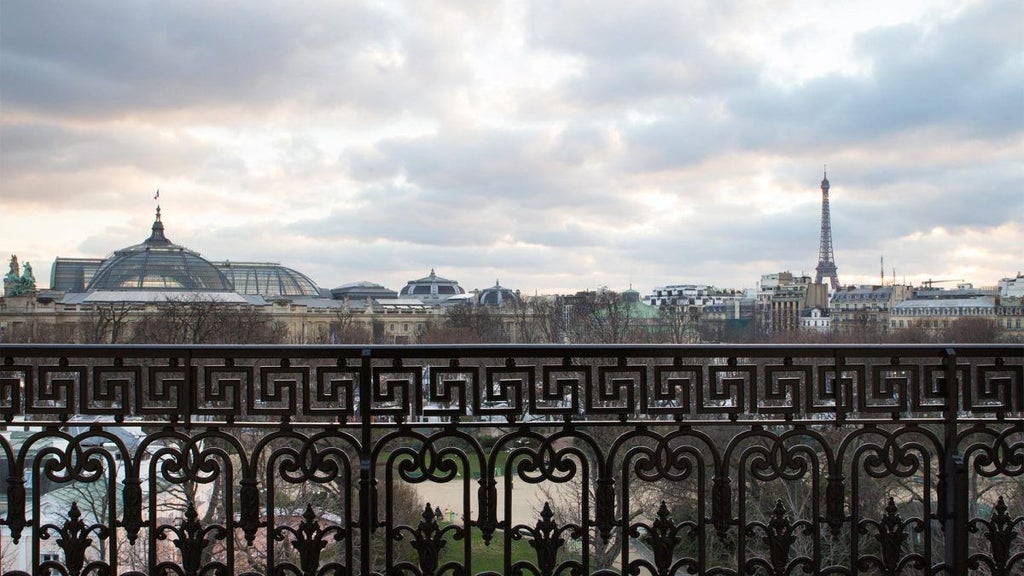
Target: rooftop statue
[
  {"x": 18, "y": 283},
  {"x": 15, "y": 271},
  {"x": 27, "y": 277}
]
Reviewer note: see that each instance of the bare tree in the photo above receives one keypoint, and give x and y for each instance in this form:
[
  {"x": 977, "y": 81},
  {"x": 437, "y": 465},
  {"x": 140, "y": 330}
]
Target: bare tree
[
  {"x": 681, "y": 324},
  {"x": 604, "y": 318},
  {"x": 345, "y": 329},
  {"x": 567, "y": 500},
  {"x": 196, "y": 321},
  {"x": 109, "y": 322},
  {"x": 972, "y": 330},
  {"x": 467, "y": 324},
  {"x": 42, "y": 332}
]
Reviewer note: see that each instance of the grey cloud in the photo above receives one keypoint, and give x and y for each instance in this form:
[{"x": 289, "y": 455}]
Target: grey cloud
[
  {"x": 578, "y": 144},
  {"x": 512, "y": 169},
  {"x": 962, "y": 74},
  {"x": 103, "y": 59},
  {"x": 368, "y": 164},
  {"x": 56, "y": 148},
  {"x": 641, "y": 50},
  {"x": 687, "y": 137}
]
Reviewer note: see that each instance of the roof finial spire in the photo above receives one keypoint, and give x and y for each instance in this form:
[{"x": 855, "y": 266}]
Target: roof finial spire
[{"x": 157, "y": 236}]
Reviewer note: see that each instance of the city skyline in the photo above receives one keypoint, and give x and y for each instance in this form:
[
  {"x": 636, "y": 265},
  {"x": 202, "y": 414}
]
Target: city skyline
[{"x": 555, "y": 148}]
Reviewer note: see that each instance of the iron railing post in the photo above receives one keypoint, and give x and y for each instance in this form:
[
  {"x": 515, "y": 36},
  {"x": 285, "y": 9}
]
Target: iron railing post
[
  {"x": 191, "y": 392},
  {"x": 953, "y": 479},
  {"x": 366, "y": 501}
]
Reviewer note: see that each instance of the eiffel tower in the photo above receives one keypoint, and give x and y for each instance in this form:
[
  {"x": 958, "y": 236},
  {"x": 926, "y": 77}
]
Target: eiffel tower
[{"x": 826, "y": 259}]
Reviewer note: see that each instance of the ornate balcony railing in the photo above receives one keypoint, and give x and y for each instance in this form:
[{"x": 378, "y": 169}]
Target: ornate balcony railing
[{"x": 546, "y": 460}]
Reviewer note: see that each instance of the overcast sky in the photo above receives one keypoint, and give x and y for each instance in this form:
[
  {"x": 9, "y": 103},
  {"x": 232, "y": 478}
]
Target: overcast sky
[{"x": 556, "y": 146}]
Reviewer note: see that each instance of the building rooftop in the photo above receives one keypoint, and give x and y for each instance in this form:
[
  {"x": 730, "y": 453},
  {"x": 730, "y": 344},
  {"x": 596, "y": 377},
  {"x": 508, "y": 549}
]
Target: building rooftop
[
  {"x": 158, "y": 265},
  {"x": 980, "y": 301},
  {"x": 268, "y": 279},
  {"x": 432, "y": 289}
]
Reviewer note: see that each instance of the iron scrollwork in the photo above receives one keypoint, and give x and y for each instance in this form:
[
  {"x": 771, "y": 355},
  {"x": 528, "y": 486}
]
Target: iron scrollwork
[
  {"x": 428, "y": 540},
  {"x": 766, "y": 459},
  {"x": 891, "y": 535},
  {"x": 1000, "y": 530},
  {"x": 309, "y": 539},
  {"x": 192, "y": 538},
  {"x": 74, "y": 541},
  {"x": 547, "y": 538}
]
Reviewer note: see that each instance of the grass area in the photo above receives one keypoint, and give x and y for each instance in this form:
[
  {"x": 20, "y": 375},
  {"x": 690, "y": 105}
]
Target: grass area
[
  {"x": 488, "y": 557},
  {"x": 474, "y": 466}
]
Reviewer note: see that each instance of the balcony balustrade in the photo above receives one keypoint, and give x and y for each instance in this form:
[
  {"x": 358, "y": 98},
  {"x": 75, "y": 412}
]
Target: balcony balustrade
[{"x": 563, "y": 460}]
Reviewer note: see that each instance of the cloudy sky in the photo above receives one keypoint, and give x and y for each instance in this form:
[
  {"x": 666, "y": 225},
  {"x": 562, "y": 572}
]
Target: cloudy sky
[{"x": 556, "y": 146}]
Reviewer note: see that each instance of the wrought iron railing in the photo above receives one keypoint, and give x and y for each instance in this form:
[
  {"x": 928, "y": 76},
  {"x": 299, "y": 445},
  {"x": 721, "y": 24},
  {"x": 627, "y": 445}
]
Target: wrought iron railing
[{"x": 512, "y": 460}]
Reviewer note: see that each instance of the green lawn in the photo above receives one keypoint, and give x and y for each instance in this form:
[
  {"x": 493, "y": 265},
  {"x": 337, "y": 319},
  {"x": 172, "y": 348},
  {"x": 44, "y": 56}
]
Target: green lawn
[{"x": 488, "y": 558}]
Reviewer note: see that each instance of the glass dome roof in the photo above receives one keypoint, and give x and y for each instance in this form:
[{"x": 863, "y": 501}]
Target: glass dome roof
[
  {"x": 158, "y": 264},
  {"x": 267, "y": 279}
]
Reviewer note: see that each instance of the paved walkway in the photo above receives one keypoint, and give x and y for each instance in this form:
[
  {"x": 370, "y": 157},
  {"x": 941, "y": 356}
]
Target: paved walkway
[{"x": 527, "y": 499}]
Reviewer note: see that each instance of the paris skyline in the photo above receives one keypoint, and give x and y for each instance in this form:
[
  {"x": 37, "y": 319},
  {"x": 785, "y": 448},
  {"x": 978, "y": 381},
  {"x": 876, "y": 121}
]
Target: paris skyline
[{"x": 553, "y": 147}]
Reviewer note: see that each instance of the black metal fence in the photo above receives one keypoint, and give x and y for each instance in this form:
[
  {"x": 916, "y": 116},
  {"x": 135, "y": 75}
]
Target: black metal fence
[{"x": 512, "y": 460}]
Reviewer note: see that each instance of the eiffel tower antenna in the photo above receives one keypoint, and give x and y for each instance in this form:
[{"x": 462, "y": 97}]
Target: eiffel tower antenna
[{"x": 826, "y": 259}]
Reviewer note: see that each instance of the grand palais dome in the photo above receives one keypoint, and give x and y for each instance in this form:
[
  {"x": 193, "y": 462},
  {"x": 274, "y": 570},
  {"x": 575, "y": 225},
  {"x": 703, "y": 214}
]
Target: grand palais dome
[{"x": 160, "y": 265}]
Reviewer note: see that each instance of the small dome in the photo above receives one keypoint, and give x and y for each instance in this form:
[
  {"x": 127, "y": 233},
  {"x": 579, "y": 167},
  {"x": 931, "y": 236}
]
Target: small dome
[
  {"x": 630, "y": 295},
  {"x": 497, "y": 295},
  {"x": 432, "y": 289},
  {"x": 363, "y": 290},
  {"x": 158, "y": 264}
]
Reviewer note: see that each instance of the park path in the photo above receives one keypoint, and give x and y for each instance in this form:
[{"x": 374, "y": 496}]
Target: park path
[{"x": 527, "y": 499}]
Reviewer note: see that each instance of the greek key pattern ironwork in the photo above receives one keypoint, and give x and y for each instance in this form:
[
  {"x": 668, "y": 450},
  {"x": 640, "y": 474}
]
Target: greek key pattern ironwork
[{"x": 524, "y": 460}]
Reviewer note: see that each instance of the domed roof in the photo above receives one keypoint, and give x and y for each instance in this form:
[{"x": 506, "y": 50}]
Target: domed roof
[
  {"x": 497, "y": 295},
  {"x": 357, "y": 290},
  {"x": 268, "y": 279},
  {"x": 630, "y": 295},
  {"x": 158, "y": 264},
  {"x": 432, "y": 289}
]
